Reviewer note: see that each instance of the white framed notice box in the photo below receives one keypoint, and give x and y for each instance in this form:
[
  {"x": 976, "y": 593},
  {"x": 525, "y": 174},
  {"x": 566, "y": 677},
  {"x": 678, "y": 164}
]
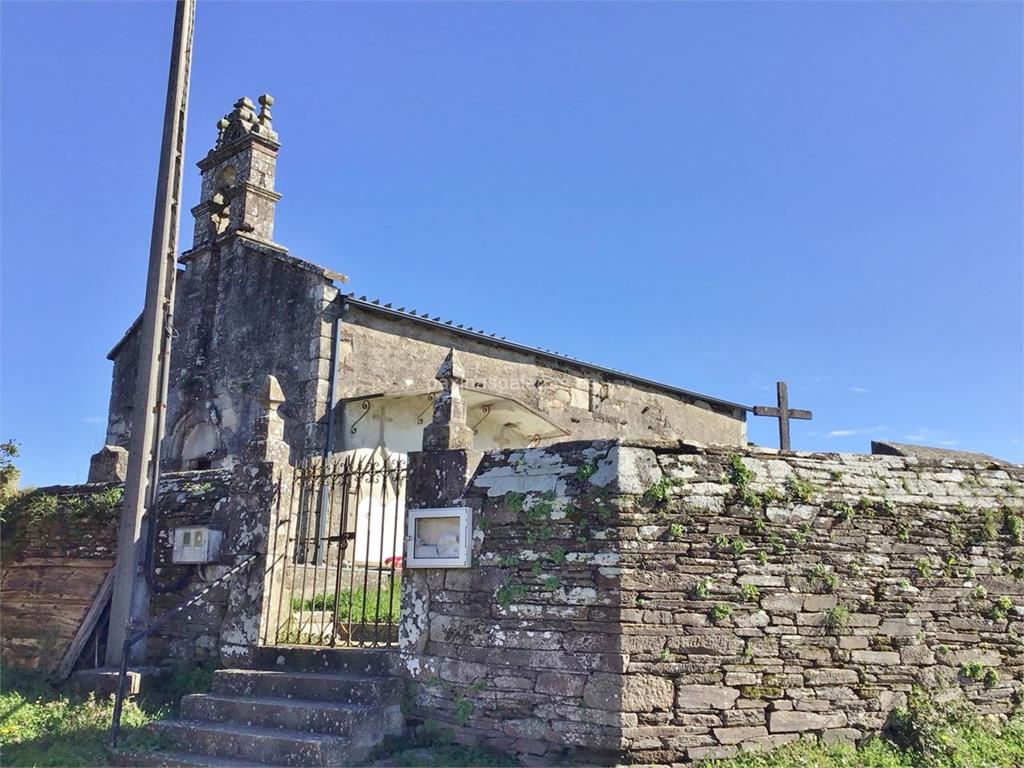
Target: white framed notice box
[{"x": 439, "y": 538}]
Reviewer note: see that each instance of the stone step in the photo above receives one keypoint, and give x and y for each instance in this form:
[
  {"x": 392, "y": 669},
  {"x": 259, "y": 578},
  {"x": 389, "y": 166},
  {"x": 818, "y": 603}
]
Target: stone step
[
  {"x": 264, "y": 746},
  {"x": 356, "y": 661},
  {"x": 169, "y": 759},
  {"x": 294, "y": 714},
  {"x": 308, "y": 686}
]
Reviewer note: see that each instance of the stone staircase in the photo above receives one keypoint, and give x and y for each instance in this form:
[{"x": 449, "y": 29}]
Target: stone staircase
[{"x": 296, "y": 707}]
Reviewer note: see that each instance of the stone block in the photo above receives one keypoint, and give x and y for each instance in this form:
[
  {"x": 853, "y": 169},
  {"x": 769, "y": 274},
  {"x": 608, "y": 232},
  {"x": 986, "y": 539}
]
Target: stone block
[
  {"x": 560, "y": 684},
  {"x": 739, "y": 733},
  {"x": 796, "y": 721},
  {"x": 742, "y": 678},
  {"x": 841, "y": 736},
  {"x": 900, "y": 627},
  {"x": 710, "y": 753},
  {"x": 719, "y": 645},
  {"x": 801, "y": 513},
  {"x": 646, "y": 693},
  {"x": 455, "y": 671},
  {"x": 108, "y": 465},
  {"x": 603, "y": 691},
  {"x": 820, "y": 602},
  {"x": 917, "y": 654},
  {"x": 783, "y": 602},
  {"x": 983, "y": 656},
  {"x": 815, "y": 677},
  {"x": 700, "y": 697},
  {"x": 762, "y": 580},
  {"x": 881, "y": 658},
  {"x": 643, "y": 644}
]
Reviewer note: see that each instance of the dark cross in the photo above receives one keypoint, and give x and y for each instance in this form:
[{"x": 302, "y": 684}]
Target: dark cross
[{"x": 783, "y": 413}]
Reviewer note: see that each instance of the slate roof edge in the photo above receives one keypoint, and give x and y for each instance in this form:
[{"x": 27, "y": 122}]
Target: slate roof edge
[
  {"x": 124, "y": 338},
  {"x": 376, "y": 306}
]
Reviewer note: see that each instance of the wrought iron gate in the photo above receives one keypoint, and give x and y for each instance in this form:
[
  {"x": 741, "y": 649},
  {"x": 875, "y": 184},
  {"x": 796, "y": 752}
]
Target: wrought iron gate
[{"x": 341, "y": 566}]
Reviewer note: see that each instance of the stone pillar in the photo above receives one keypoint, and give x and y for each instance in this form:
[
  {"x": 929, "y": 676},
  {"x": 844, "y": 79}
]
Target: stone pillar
[
  {"x": 438, "y": 476},
  {"x": 448, "y": 430},
  {"x": 108, "y": 465},
  {"x": 266, "y": 441},
  {"x": 259, "y": 505}
]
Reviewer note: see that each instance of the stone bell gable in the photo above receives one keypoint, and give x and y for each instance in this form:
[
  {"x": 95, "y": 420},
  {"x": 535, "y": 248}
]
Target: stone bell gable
[
  {"x": 245, "y": 308},
  {"x": 237, "y": 194}
]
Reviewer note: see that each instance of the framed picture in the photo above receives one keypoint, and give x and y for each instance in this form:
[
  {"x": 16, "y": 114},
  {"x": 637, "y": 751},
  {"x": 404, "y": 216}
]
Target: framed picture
[{"x": 438, "y": 538}]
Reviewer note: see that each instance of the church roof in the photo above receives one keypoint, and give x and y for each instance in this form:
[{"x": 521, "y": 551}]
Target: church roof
[{"x": 375, "y": 305}]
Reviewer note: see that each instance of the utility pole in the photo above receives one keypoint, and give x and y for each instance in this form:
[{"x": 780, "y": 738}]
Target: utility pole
[{"x": 129, "y": 602}]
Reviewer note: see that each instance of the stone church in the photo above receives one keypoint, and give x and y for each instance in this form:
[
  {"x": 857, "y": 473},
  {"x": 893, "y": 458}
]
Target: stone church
[{"x": 356, "y": 374}]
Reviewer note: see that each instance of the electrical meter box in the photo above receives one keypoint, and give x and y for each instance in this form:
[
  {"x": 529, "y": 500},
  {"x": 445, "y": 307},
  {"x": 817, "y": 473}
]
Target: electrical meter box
[{"x": 196, "y": 544}]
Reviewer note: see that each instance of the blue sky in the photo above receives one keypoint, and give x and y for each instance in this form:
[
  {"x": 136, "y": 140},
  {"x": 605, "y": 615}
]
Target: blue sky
[{"x": 712, "y": 195}]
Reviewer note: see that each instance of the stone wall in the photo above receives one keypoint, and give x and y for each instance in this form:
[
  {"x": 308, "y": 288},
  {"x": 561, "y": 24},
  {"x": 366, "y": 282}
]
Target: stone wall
[
  {"x": 383, "y": 351},
  {"x": 510, "y": 651},
  {"x": 249, "y": 503},
  {"x": 59, "y": 544},
  {"x": 188, "y": 498},
  {"x": 685, "y": 602}
]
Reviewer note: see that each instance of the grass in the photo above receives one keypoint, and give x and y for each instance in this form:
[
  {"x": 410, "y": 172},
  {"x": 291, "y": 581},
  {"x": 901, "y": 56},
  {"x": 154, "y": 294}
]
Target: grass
[
  {"x": 359, "y": 605},
  {"x": 45, "y": 724},
  {"x": 433, "y": 747},
  {"x": 923, "y": 735}
]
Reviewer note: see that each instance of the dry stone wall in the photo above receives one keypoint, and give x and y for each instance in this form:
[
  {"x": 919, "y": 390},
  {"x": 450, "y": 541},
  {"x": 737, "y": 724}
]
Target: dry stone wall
[
  {"x": 59, "y": 543},
  {"x": 518, "y": 650},
  {"x": 785, "y": 594},
  {"x": 659, "y": 605}
]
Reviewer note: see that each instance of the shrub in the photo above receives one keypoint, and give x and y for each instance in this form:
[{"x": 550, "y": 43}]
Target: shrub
[
  {"x": 1001, "y": 608},
  {"x": 703, "y": 588},
  {"x": 836, "y": 619},
  {"x": 720, "y": 612}
]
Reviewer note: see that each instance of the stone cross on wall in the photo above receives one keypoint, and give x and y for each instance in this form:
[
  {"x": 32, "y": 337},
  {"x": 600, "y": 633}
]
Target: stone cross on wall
[
  {"x": 448, "y": 429},
  {"x": 783, "y": 413}
]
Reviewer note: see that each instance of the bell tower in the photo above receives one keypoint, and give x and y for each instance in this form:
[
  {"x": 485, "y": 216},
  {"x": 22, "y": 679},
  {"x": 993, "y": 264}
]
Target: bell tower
[{"x": 237, "y": 195}]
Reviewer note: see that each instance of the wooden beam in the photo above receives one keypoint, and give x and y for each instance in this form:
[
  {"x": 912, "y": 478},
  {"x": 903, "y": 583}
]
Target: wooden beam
[{"x": 67, "y": 664}]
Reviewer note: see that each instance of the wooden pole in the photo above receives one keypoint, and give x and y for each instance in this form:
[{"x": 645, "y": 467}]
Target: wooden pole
[{"x": 130, "y": 597}]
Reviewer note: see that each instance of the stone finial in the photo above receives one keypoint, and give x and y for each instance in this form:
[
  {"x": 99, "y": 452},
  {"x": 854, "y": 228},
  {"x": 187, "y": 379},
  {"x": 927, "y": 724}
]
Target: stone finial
[
  {"x": 451, "y": 373},
  {"x": 242, "y": 122},
  {"x": 448, "y": 429},
  {"x": 266, "y": 102},
  {"x": 267, "y": 440},
  {"x": 271, "y": 396}
]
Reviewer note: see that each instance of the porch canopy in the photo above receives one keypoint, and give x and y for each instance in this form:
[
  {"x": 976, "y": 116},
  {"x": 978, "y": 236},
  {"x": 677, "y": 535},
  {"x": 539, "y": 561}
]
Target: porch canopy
[{"x": 395, "y": 420}]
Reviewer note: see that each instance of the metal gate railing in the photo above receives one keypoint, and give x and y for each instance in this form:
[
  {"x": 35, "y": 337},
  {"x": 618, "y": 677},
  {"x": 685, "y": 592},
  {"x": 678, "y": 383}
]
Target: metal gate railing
[{"x": 341, "y": 567}]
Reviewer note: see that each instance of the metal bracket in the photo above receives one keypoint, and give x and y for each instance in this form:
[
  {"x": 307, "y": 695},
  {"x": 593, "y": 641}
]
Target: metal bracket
[
  {"x": 430, "y": 402},
  {"x": 487, "y": 412},
  {"x": 365, "y": 405}
]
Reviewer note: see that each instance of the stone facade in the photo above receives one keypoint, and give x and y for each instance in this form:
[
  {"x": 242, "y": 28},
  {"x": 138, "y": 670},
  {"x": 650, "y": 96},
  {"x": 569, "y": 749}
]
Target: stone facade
[
  {"x": 659, "y": 605},
  {"x": 386, "y": 351}
]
